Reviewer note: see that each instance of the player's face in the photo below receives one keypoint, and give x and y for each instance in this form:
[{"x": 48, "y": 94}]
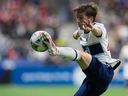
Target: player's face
[{"x": 81, "y": 18}]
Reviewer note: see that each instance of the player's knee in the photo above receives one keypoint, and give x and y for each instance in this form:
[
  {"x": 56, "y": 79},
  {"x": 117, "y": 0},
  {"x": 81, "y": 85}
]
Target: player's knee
[{"x": 85, "y": 60}]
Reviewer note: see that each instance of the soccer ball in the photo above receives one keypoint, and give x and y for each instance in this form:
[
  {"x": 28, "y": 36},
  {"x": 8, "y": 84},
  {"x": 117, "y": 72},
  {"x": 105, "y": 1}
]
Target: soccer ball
[{"x": 37, "y": 43}]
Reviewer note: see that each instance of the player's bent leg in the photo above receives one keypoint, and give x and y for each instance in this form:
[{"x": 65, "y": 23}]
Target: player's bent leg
[
  {"x": 67, "y": 53},
  {"x": 85, "y": 60},
  {"x": 98, "y": 74},
  {"x": 82, "y": 58}
]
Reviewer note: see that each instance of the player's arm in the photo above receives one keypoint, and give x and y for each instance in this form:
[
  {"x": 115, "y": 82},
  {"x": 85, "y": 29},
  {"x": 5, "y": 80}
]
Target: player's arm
[
  {"x": 96, "y": 31},
  {"x": 89, "y": 27},
  {"x": 76, "y": 34}
]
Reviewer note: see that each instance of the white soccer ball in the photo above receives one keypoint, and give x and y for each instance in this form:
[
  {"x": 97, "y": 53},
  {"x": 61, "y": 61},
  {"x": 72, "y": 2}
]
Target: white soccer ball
[{"x": 37, "y": 43}]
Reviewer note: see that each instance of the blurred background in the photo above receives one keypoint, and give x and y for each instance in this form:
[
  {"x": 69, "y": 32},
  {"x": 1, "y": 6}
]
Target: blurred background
[{"x": 25, "y": 72}]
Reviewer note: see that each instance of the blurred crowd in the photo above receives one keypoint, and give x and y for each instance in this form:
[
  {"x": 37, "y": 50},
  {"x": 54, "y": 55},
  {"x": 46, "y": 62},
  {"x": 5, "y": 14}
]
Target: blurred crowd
[{"x": 20, "y": 18}]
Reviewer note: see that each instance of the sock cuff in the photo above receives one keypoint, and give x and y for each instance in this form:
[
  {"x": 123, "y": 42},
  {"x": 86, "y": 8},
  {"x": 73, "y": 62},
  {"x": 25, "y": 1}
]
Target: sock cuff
[{"x": 77, "y": 55}]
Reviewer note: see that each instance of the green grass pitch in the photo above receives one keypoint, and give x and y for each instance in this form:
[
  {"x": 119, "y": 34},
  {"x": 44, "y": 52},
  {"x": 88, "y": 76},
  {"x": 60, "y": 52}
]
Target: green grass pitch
[{"x": 16, "y": 90}]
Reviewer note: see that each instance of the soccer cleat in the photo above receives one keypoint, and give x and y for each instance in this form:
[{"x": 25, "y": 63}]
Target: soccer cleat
[{"x": 50, "y": 44}]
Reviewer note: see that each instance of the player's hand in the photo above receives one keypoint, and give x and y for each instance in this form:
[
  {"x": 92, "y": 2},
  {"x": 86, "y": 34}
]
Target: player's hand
[
  {"x": 86, "y": 25},
  {"x": 76, "y": 35}
]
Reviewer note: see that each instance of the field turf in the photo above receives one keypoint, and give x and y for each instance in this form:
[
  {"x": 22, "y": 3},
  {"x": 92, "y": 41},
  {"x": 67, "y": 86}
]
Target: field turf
[{"x": 15, "y": 90}]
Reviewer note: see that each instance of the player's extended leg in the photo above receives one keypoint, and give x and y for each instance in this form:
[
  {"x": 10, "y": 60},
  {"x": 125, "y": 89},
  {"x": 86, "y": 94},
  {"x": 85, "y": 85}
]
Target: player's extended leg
[
  {"x": 99, "y": 75},
  {"x": 67, "y": 53}
]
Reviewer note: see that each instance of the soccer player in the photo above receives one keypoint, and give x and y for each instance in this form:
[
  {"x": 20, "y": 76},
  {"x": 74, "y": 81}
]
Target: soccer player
[
  {"x": 124, "y": 61},
  {"x": 95, "y": 59}
]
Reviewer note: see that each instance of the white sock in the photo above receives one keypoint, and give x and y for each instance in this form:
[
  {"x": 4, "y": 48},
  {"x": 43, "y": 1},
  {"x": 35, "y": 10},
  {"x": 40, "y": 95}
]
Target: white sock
[{"x": 68, "y": 53}]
